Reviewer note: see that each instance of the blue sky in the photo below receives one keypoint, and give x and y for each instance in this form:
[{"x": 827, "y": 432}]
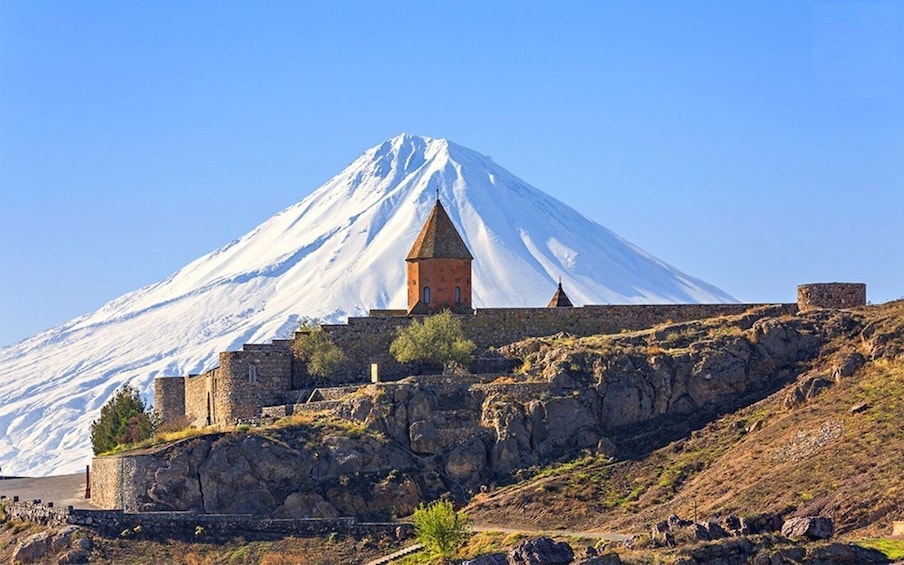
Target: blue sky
[{"x": 755, "y": 145}]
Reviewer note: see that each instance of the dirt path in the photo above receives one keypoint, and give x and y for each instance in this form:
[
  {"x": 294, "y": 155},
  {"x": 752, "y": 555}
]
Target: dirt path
[
  {"x": 62, "y": 490},
  {"x": 552, "y": 533}
]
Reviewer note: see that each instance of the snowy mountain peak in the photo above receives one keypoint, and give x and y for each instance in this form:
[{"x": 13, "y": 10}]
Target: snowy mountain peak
[{"x": 337, "y": 253}]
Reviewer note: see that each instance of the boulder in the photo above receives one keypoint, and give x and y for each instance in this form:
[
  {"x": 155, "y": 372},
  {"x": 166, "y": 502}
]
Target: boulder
[
  {"x": 848, "y": 365},
  {"x": 423, "y": 437},
  {"x": 63, "y": 538},
  {"x": 732, "y": 523},
  {"x": 715, "y": 530},
  {"x": 676, "y": 521},
  {"x": 306, "y": 505},
  {"x": 33, "y": 549},
  {"x": 466, "y": 459},
  {"x": 541, "y": 551},
  {"x": 812, "y": 527},
  {"x": 807, "y": 388},
  {"x": 74, "y": 556}
]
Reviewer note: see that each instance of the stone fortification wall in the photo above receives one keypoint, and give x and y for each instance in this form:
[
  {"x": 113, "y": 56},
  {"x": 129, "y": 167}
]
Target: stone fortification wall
[
  {"x": 250, "y": 379},
  {"x": 200, "y": 408},
  {"x": 111, "y": 480},
  {"x": 367, "y": 340},
  {"x": 262, "y": 374},
  {"x": 169, "y": 524},
  {"x": 831, "y": 295},
  {"x": 169, "y": 397},
  {"x": 495, "y": 327}
]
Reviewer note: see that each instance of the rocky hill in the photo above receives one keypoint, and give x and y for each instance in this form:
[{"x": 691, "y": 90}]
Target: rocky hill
[
  {"x": 743, "y": 415},
  {"x": 823, "y": 435}
]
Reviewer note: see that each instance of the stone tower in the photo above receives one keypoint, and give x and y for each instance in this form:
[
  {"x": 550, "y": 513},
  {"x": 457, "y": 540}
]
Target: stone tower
[{"x": 439, "y": 267}]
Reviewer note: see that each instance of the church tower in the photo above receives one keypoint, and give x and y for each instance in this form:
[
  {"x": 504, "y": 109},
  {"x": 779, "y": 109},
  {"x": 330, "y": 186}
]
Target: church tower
[{"x": 439, "y": 267}]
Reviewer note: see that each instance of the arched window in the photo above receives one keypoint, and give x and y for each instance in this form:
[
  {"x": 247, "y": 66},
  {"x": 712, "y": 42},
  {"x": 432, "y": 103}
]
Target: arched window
[
  {"x": 426, "y": 295},
  {"x": 458, "y": 295}
]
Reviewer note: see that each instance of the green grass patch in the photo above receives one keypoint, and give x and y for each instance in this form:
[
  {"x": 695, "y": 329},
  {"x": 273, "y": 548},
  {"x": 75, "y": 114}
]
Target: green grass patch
[{"x": 892, "y": 548}]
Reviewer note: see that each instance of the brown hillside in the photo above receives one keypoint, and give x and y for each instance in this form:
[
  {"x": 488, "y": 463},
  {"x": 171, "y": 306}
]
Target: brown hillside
[{"x": 830, "y": 441}]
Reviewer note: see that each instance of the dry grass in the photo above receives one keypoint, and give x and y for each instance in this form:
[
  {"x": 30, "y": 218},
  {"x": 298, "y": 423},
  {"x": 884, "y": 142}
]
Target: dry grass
[{"x": 818, "y": 458}]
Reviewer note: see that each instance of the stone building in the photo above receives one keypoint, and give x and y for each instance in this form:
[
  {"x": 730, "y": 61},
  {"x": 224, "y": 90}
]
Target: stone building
[
  {"x": 268, "y": 378},
  {"x": 439, "y": 267}
]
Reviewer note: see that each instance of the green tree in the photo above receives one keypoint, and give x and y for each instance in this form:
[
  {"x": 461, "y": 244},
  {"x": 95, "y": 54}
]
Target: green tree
[
  {"x": 438, "y": 339},
  {"x": 440, "y": 529},
  {"x": 123, "y": 419},
  {"x": 315, "y": 347}
]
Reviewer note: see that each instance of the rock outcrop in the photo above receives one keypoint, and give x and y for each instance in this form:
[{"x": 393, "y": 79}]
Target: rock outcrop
[
  {"x": 810, "y": 527},
  {"x": 414, "y": 439},
  {"x": 306, "y": 471}
]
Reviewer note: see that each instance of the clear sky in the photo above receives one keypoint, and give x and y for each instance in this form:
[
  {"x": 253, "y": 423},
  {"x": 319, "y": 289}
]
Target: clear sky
[{"x": 756, "y": 145}]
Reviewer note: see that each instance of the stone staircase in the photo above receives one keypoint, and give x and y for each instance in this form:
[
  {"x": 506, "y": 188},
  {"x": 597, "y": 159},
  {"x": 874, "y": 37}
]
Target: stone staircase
[{"x": 404, "y": 552}]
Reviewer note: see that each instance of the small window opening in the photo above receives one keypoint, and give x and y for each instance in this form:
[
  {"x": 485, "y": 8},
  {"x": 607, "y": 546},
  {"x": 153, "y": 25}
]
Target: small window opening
[
  {"x": 252, "y": 374},
  {"x": 426, "y": 295},
  {"x": 458, "y": 295}
]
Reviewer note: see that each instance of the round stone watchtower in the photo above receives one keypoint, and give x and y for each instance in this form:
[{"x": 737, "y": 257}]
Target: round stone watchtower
[{"x": 830, "y": 295}]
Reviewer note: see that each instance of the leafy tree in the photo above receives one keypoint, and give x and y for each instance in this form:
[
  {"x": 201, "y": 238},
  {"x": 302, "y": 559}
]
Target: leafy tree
[
  {"x": 315, "y": 347},
  {"x": 440, "y": 529},
  {"x": 438, "y": 339},
  {"x": 123, "y": 419}
]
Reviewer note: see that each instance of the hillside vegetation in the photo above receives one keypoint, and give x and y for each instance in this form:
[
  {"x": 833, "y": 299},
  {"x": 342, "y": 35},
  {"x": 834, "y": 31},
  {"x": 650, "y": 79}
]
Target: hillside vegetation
[{"x": 830, "y": 441}]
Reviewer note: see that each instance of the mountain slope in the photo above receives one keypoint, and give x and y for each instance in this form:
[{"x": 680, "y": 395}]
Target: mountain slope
[
  {"x": 830, "y": 442},
  {"x": 338, "y": 252}
]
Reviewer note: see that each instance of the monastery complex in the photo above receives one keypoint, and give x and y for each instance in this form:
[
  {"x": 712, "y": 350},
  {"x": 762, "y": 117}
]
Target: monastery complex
[{"x": 265, "y": 380}]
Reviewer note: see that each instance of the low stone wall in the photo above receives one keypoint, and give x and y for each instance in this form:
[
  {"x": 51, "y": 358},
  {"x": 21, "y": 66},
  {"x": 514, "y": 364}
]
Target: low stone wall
[
  {"x": 34, "y": 511},
  {"x": 170, "y": 524}
]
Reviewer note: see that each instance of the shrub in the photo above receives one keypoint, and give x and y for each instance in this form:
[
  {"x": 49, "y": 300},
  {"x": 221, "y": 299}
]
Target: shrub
[
  {"x": 440, "y": 529},
  {"x": 438, "y": 339},
  {"x": 123, "y": 419},
  {"x": 315, "y": 347}
]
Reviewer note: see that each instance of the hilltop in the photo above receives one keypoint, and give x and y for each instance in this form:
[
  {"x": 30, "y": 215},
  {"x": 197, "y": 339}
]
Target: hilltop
[
  {"x": 828, "y": 441},
  {"x": 759, "y": 414}
]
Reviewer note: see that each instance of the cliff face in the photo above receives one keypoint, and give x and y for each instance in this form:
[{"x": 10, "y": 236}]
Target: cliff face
[
  {"x": 311, "y": 469},
  {"x": 396, "y": 444},
  {"x": 592, "y": 393}
]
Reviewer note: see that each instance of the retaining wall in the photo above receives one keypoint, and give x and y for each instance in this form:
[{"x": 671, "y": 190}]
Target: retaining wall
[{"x": 169, "y": 524}]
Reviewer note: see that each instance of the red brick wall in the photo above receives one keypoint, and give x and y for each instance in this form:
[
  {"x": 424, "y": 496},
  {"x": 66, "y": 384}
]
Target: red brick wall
[{"x": 441, "y": 276}]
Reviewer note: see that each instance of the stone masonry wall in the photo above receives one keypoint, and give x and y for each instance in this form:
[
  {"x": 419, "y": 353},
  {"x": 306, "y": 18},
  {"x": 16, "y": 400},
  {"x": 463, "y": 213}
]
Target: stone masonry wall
[
  {"x": 106, "y": 482},
  {"x": 250, "y": 379},
  {"x": 199, "y": 389},
  {"x": 169, "y": 397},
  {"x": 169, "y": 524},
  {"x": 367, "y": 340},
  {"x": 831, "y": 295},
  {"x": 113, "y": 479},
  {"x": 237, "y": 394}
]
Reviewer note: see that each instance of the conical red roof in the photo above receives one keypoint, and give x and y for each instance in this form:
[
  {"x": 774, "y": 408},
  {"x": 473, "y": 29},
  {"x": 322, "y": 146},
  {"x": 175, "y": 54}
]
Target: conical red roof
[{"x": 439, "y": 239}]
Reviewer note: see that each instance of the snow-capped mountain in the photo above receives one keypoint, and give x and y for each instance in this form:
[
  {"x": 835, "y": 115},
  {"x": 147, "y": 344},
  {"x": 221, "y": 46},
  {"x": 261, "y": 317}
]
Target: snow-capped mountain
[{"x": 337, "y": 253}]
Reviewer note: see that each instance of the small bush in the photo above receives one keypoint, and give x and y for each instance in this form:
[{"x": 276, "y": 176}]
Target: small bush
[
  {"x": 316, "y": 349},
  {"x": 440, "y": 529},
  {"x": 438, "y": 339},
  {"x": 124, "y": 419}
]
